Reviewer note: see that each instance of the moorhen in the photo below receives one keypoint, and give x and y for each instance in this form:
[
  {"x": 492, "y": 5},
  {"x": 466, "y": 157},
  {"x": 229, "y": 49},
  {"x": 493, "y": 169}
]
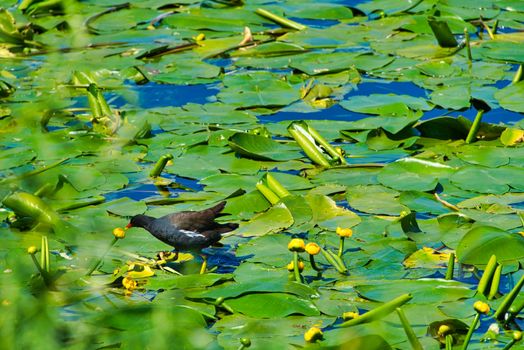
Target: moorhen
[{"x": 186, "y": 230}]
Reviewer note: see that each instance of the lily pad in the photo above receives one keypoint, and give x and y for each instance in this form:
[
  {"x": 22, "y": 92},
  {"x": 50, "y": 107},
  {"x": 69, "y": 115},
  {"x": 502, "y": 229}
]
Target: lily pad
[
  {"x": 260, "y": 147},
  {"x": 477, "y": 246}
]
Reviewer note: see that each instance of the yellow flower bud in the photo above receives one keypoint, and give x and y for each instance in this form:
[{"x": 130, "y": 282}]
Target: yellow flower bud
[
  {"x": 443, "y": 330},
  {"x": 349, "y": 315},
  {"x": 313, "y": 334},
  {"x": 296, "y": 245},
  {"x": 246, "y": 342},
  {"x": 32, "y": 250},
  {"x": 312, "y": 248},
  {"x": 200, "y": 37},
  {"x": 291, "y": 266},
  {"x": 344, "y": 232},
  {"x": 481, "y": 307},
  {"x": 119, "y": 233},
  {"x": 517, "y": 335},
  {"x": 129, "y": 283}
]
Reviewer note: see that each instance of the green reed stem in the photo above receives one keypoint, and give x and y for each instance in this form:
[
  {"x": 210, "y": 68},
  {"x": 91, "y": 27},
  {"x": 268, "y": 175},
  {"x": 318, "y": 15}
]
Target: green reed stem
[
  {"x": 508, "y": 300},
  {"x": 284, "y": 22},
  {"x": 267, "y": 193},
  {"x": 160, "y": 165},
  {"x": 495, "y": 282},
  {"x": 451, "y": 266},
  {"x": 379, "y": 312},
  {"x": 487, "y": 276}
]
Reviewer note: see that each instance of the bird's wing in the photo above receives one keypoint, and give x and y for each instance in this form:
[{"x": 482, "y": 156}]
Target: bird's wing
[{"x": 197, "y": 220}]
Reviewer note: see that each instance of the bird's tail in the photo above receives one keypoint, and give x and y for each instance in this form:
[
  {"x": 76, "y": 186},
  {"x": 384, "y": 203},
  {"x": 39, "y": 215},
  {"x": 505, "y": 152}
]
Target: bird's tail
[{"x": 217, "y": 209}]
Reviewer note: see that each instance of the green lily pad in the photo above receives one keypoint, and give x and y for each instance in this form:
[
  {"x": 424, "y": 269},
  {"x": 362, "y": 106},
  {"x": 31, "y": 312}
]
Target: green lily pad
[
  {"x": 275, "y": 219},
  {"x": 424, "y": 290},
  {"x": 260, "y": 147},
  {"x": 374, "y": 199},
  {"x": 272, "y": 305},
  {"x": 257, "y": 89},
  {"x": 477, "y": 246},
  {"x": 412, "y": 174},
  {"x": 385, "y": 104},
  {"x": 509, "y": 97}
]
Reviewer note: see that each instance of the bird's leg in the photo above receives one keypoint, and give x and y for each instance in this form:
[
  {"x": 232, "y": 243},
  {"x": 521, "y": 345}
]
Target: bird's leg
[{"x": 204, "y": 265}]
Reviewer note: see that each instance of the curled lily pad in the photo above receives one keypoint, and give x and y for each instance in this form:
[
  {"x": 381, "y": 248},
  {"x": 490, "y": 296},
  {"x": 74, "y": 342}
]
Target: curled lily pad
[
  {"x": 477, "y": 246},
  {"x": 260, "y": 147}
]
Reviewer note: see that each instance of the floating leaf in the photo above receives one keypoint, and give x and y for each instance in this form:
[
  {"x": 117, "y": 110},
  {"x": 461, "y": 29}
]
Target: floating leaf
[
  {"x": 477, "y": 246},
  {"x": 275, "y": 219},
  {"x": 260, "y": 147},
  {"x": 511, "y": 136},
  {"x": 272, "y": 305},
  {"x": 426, "y": 258},
  {"x": 416, "y": 174}
]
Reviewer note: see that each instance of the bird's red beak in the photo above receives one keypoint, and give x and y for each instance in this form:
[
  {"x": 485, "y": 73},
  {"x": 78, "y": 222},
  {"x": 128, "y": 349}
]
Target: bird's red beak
[{"x": 128, "y": 226}]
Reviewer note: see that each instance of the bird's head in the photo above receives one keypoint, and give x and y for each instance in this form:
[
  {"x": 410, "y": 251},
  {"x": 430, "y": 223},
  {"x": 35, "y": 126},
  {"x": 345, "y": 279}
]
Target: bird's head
[{"x": 139, "y": 221}]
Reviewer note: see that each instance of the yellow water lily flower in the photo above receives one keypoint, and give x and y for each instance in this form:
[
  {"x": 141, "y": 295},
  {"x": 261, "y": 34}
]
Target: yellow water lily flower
[
  {"x": 32, "y": 250},
  {"x": 349, "y": 315},
  {"x": 129, "y": 283},
  {"x": 313, "y": 334},
  {"x": 119, "y": 233},
  {"x": 344, "y": 232},
  {"x": 517, "y": 335},
  {"x": 443, "y": 330},
  {"x": 291, "y": 266},
  {"x": 312, "y": 248},
  {"x": 481, "y": 307},
  {"x": 296, "y": 245}
]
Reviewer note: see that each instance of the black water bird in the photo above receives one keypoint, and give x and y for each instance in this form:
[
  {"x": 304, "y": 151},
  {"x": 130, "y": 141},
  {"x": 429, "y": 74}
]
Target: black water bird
[{"x": 186, "y": 230}]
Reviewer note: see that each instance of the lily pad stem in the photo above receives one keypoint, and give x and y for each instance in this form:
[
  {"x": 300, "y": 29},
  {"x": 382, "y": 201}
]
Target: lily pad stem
[
  {"x": 341, "y": 247},
  {"x": 446, "y": 203},
  {"x": 296, "y": 271},
  {"x": 470, "y": 331},
  {"x": 413, "y": 340},
  {"x": 314, "y": 264},
  {"x": 475, "y": 127},
  {"x": 449, "y": 342}
]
